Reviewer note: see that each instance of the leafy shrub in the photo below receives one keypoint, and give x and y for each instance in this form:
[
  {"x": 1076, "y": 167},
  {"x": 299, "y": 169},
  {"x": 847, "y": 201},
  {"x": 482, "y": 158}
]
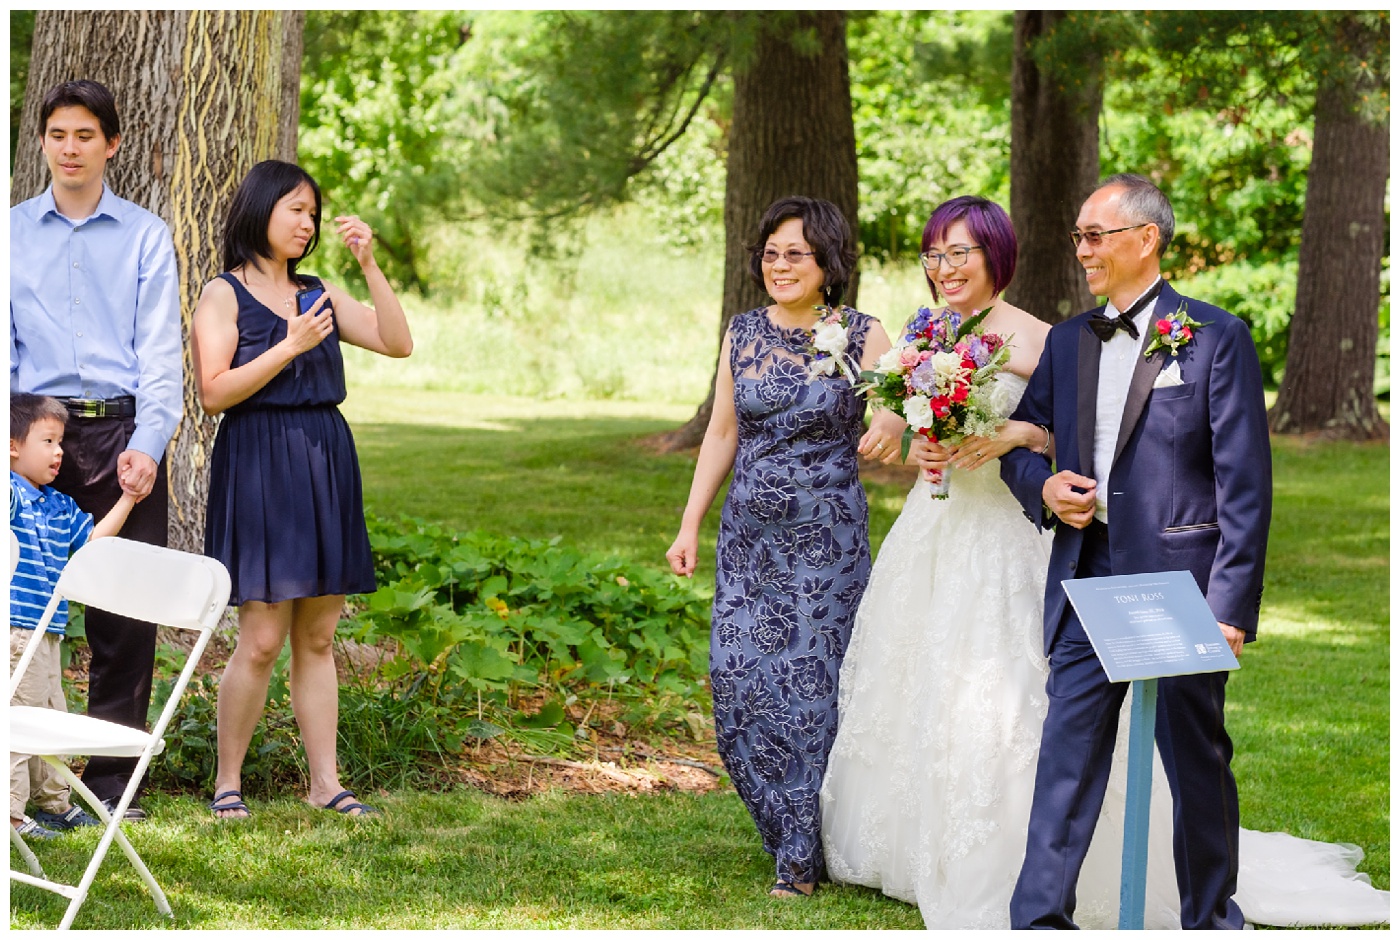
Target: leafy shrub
[
  {"x": 275, "y": 761},
  {"x": 1260, "y": 294},
  {"x": 494, "y": 637}
]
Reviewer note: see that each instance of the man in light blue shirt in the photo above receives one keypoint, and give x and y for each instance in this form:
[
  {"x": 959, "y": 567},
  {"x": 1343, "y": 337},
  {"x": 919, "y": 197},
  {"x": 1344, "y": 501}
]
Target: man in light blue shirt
[{"x": 95, "y": 322}]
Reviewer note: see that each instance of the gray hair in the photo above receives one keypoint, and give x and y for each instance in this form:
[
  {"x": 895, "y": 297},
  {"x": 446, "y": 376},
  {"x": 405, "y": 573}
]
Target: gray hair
[{"x": 1143, "y": 202}]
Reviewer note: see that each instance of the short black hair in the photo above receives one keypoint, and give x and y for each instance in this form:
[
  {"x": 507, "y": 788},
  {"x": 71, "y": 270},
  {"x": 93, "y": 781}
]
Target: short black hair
[
  {"x": 245, "y": 229},
  {"x": 82, "y": 93},
  {"x": 825, "y": 229},
  {"x": 27, "y": 408}
]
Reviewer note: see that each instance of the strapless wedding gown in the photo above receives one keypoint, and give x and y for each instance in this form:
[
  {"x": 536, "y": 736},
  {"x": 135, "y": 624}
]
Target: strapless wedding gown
[{"x": 928, "y": 789}]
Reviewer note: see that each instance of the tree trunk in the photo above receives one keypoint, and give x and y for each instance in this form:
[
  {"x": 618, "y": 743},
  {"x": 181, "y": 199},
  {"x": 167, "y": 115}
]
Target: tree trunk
[
  {"x": 202, "y": 96},
  {"x": 1329, "y": 378},
  {"x": 793, "y": 134},
  {"x": 1054, "y": 168}
]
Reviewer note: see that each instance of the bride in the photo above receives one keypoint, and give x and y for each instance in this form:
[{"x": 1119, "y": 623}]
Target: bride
[{"x": 928, "y": 790}]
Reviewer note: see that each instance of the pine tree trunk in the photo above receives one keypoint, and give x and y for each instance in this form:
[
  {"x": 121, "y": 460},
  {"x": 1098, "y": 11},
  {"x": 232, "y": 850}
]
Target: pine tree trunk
[
  {"x": 202, "y": 96},
  {"x": 1054, "y": 168},
  {"x": 1329, "y": 378},
  {"x": 793, "y": 134}
]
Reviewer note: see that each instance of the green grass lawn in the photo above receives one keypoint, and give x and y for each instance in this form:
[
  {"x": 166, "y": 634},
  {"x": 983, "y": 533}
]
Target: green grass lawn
[{"x": 1309, "y": 710}]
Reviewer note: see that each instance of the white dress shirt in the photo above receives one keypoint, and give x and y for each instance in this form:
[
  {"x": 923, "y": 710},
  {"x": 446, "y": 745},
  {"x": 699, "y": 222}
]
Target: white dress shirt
[{"x": 1117, "y": 361}]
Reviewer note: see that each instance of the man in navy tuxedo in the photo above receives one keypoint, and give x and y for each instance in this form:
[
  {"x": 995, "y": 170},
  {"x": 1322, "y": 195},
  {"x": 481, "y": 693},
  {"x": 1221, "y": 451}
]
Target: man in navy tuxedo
[{"x": 1163, "y": 465}]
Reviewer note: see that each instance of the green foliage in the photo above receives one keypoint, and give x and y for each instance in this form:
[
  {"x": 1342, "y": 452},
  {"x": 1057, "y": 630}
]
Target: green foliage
[
  {"x": 1262, "y": 295},
  {"x": 386, "y": 123},
  {"x": 589, "y": 99},
  {"x": 275, "y": 762},
  {"x": 507, "y": 322},
  {"x": 936, "y": 130},
  {"x": 493, "y": 637},
  {"x": 1275, "y": 52},
  {"x": 21, "y": 41},
  {"x": 492, "y": 613}
]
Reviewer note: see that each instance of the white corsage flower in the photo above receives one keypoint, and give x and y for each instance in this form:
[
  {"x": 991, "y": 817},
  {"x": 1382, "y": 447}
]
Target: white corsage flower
[{"x": 830, "y": 338}]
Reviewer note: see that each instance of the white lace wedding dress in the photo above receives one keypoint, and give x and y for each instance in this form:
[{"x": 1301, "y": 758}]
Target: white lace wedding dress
[{"x": 942, "y": 694}]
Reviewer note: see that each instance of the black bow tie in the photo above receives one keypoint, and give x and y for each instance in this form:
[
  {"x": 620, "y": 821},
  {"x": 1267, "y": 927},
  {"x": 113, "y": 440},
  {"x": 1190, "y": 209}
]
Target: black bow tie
[{"x": 1104, "y": 327}]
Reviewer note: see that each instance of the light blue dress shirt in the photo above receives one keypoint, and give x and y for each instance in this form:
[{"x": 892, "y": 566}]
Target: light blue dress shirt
[{"x": 95, "y": 311}]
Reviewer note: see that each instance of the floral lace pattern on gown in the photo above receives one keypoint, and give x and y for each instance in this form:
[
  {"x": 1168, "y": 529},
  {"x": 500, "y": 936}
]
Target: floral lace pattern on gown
[
  {"x": 942, "y": 697},
  {"x": 792, "y": 560}
]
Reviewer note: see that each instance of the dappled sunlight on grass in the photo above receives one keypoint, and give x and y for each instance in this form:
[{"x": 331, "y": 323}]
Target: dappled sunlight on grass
[{"x": 454, "y": 861}]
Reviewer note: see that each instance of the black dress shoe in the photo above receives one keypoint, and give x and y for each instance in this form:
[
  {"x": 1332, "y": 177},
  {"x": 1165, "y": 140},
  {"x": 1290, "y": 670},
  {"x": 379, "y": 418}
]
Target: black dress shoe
[{"x": 134, "y": 813}]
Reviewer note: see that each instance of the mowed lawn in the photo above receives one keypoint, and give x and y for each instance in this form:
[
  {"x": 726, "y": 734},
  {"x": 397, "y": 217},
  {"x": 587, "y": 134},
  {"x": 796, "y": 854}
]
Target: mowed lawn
[{"x": 1309, "y": 710}]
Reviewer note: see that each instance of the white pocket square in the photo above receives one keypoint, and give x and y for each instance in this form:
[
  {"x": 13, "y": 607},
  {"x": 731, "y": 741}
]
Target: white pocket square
[{"x": 1169, "y": 376}]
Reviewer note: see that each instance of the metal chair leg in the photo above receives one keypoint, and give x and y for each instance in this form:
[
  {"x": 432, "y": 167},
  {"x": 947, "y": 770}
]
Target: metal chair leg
[{"x": 26, "y": 853}]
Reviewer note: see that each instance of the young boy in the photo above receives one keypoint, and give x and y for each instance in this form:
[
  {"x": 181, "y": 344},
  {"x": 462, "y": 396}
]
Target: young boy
[{"x": 49, "y": 527}]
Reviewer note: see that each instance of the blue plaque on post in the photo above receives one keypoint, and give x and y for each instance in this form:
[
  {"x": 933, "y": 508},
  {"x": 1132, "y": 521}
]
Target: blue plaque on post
[{"x": 1143, "y": 627}]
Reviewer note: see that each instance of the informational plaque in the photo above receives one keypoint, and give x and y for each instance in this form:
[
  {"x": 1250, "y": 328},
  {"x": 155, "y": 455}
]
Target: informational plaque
[{"x": 1145, "y": 626}]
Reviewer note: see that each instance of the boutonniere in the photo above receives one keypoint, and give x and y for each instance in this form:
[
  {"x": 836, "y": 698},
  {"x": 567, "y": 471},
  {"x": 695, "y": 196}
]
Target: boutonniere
[
  {"x": 827, "y": 347},
  {"x": 1172, "y": 332}
]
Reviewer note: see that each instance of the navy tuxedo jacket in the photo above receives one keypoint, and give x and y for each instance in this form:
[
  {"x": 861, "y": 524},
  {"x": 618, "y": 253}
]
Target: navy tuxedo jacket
[{"x": 1191, "y": 487}]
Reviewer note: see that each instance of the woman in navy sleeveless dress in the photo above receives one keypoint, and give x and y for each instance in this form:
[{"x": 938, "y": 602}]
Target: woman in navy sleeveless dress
[
  {"x": 285, "y": 512},
  {"x": 793, "y": 554}
]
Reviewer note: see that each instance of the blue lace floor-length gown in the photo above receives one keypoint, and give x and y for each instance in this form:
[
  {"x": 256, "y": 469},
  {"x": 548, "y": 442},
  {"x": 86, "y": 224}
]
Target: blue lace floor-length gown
[{"x": 792, "y": 561}]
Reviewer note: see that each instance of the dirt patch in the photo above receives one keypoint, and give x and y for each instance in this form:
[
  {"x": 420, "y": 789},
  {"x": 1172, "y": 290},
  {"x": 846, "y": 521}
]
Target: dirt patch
[{"x": 629, "y": 766}]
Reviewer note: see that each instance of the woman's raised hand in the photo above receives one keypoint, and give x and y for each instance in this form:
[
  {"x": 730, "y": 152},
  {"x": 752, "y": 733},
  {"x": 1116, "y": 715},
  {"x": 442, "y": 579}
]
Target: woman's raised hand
[
  {"x": 357, "y": 237},
  {"x": 306, "y": 330}
]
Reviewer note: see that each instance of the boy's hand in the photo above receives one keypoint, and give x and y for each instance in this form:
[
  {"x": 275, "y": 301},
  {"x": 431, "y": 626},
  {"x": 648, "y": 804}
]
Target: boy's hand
[{"x": 136, "y": 472}]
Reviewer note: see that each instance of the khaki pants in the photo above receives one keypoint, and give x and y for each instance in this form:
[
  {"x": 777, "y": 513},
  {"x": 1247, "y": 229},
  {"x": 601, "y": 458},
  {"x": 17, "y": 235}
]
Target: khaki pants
[{"x": 42, "y": 686}]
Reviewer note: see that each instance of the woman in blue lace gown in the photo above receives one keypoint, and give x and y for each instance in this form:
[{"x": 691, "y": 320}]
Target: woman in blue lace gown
[{"x": 793, "y": 554}]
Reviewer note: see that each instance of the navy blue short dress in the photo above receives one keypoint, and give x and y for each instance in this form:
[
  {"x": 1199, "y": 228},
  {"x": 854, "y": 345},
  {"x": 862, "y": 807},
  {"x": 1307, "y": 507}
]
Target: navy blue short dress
[{"x": 286, "y": 512}]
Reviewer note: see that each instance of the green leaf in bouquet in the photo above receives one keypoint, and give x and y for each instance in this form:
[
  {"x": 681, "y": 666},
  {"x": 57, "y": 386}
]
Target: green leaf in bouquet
[
  {"x": 972, "y": 323},
  {"x": 905, "y": 439}
]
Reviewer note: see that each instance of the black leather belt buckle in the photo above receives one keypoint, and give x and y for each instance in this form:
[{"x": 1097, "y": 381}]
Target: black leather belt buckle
[{"x": 124, "y": 407}]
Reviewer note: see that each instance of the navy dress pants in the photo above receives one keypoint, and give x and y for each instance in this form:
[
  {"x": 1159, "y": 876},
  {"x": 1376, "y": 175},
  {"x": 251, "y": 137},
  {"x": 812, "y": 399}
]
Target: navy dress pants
[{"x": 1076, "y": 753}]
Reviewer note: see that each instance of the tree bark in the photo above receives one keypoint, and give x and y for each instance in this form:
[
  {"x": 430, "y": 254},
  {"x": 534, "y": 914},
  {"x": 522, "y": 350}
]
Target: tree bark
[
  {"x": 202, "y": 96},
  {"x": 793, "y": 134},
  {"x": 1329, "y": 377},
  {"x": 1054, "y": 168}
]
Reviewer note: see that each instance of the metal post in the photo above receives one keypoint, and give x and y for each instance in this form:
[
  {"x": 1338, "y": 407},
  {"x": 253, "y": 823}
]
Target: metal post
[{"x": 1132, "y": 897}]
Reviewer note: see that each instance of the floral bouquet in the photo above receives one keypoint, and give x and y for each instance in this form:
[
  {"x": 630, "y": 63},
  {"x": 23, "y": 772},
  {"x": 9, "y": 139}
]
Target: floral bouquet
[
  {"x": 828, "y": 345},
  {"x": 940, "y": 377}
]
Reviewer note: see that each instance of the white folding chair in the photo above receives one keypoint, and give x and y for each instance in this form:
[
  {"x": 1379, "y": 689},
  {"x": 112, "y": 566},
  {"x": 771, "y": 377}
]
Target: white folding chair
[{"x": 144, "y": 582}]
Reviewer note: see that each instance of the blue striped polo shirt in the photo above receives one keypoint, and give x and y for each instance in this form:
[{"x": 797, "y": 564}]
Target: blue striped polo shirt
[{"x": 50, "y": 527}]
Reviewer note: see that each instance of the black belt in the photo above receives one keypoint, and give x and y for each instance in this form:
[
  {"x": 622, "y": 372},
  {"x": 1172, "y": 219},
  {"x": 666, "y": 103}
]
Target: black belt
[{"x": 123, "y": 407}]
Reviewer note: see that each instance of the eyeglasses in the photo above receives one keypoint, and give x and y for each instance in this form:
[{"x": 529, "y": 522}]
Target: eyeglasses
[
  {"x": 956, "y": 257},
  {"x": 791, "y": 256},
  {"x": 1096, "y": 238}
]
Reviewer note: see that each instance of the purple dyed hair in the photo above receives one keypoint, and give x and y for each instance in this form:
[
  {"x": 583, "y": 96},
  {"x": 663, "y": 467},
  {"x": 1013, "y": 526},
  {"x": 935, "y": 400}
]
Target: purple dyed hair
[{"x": 989, "y": 226}]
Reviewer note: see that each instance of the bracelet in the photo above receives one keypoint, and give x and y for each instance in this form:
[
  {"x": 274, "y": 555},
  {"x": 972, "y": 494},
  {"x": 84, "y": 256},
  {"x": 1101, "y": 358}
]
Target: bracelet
[{"x": 1046, "y": 446}]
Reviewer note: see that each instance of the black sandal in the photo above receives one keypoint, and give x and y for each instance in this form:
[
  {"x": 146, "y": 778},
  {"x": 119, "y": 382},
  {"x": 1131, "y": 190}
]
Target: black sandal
[
  {"x": 348, "y": 809},
  {"x": 787, "y": 889},
  {"x": 237, "y": 804}
]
